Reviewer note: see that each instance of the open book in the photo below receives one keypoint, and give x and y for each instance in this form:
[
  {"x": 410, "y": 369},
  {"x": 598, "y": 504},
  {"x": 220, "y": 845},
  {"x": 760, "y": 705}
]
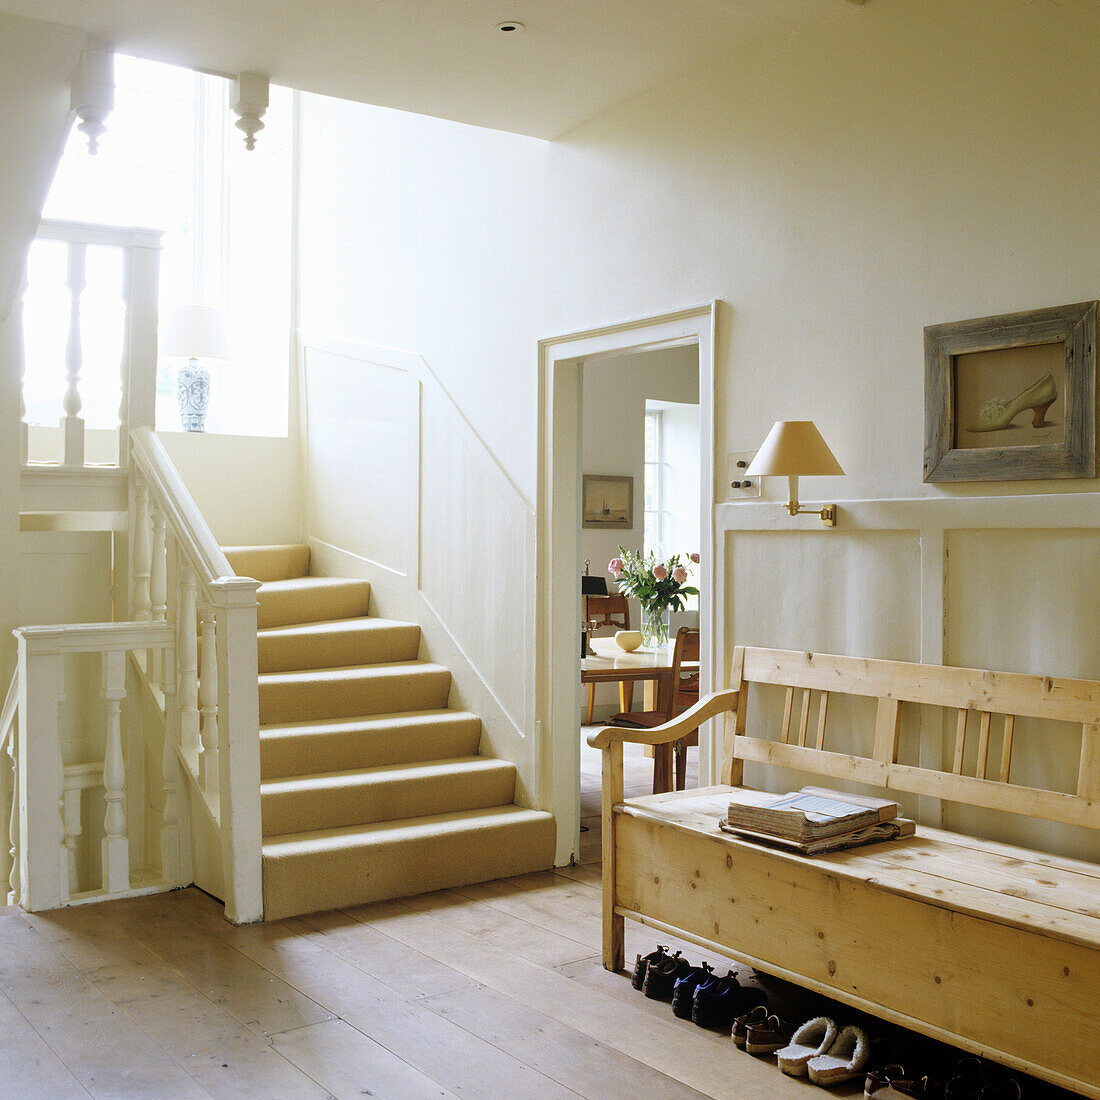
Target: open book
[{"x": 811, "y": 814}]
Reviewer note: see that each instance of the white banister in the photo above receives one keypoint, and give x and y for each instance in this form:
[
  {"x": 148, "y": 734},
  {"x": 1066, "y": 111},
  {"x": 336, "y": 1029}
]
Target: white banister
[
  {"x": 9, "y": 792},
  {"x": 47, "y": 825},
  {"x": 116, "y": 844},
  {"x": 208, "y": 701},
  {"x": 214, "y": 697},
  {"x": 187, "y": 647},
  {"x": 142, "y": 552},
  {"x": 72, "y": 423},
  {"x": 139, "y": 289},
  {"x": 169, "y": 775}
]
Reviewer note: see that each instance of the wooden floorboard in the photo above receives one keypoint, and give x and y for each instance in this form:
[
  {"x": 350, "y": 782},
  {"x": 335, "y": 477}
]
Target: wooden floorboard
[{"x": 488, "y": 991}]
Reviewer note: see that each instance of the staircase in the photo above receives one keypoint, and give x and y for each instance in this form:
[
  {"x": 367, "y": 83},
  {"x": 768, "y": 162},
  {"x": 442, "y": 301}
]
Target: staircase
[{"x": 372, "y": 787}]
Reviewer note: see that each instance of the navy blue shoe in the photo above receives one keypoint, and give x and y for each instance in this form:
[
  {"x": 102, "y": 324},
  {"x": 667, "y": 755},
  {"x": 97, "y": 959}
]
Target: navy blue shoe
[
  {"x": 719, "y": 1001},
  {"x": 683, "y": 992}
]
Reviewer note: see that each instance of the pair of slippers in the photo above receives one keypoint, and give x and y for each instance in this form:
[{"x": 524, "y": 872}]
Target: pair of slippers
[{"x": 825, "y": 1053}]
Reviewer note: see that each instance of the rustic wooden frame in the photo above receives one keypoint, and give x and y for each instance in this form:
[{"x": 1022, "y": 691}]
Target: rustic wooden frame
[
  {"x": 1075, "y": 326},
  {"x": 607, "y": 525}
]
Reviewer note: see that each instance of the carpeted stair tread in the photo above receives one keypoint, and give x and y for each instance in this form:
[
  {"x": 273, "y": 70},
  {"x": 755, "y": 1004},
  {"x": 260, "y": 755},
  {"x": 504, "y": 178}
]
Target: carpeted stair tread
[
  {"x": 389, "y": 793},
  {"x": 354, "y": 865},
  {"x": 352, "y": 692},
  {"x": 340, "y": 744},
  {"x": 269, "y": 563},
  {"x": 311, "y": 599},
  {"x": 337, "y": 642}
]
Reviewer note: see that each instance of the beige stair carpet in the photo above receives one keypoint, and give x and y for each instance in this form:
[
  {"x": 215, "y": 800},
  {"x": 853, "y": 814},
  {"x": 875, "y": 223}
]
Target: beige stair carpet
[{"x": 372, "y": 786}]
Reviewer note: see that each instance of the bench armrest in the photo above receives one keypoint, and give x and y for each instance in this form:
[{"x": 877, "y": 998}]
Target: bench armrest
[{"x": 718, "y": 702}]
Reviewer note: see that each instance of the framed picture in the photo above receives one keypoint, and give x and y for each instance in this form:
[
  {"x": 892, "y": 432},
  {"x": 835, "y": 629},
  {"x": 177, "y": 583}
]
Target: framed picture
[
  {"x": 607, "y": 501},
  {"x": 1011, "y": 398}
]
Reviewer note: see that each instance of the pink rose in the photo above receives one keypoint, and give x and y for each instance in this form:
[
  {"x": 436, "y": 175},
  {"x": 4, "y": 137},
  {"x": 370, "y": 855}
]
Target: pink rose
[
  {"x": 695, "y": 558},
  {"x": 679, "y": 574},
  {"x": 660, "y": 572},
  {"x": 615, "y": 567}
]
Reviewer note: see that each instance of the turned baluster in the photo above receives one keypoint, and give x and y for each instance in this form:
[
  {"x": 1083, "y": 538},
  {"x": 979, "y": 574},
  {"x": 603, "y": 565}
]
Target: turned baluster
[
  {"x": 188, "y": 653},
  {"x": 10, "y": 789},
  {"x": 71, "y": 828},
  {"x": 142, "y": 553},
  {"x": 158, "y": 592},
  {"x": 116, "y": 846},
  {"x": 208, "y": 696},
  {"x": 169, "y": 778},
  {"x": 72, "y": 423}
]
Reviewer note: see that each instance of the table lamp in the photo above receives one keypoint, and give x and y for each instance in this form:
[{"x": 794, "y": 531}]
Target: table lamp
[{"x": 194, "y": 333}]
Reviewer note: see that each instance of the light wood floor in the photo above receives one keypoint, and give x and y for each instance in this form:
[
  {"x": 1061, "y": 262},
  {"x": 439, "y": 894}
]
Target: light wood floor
[{"x": 488, "y": 991}]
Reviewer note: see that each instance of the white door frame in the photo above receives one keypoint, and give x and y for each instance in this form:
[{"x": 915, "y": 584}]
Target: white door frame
[{"x": 557, "y": 684}]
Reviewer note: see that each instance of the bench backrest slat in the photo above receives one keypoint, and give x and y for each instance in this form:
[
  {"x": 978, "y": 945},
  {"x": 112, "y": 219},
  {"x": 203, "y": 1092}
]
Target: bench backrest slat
[{"x": 895, "y": 684}]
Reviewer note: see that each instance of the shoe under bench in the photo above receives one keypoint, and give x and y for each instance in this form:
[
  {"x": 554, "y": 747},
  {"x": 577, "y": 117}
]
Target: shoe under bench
[{"x": 994, "y": 948}]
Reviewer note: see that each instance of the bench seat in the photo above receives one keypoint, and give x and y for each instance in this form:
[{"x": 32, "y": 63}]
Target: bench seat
[{"x": 990, "y": 947}]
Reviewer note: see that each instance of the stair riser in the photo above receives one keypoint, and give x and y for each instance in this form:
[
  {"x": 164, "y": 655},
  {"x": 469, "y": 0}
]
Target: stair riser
[
  {"x": 312, "y": 882},
  {"x": 339, "y": 649},
  {"x": 315, "y": 700},
  {"x": 311, "y": 605},
  {"x": 269, "y": 563},
  {"x": 286, "y": 755},
  {"x": 362, "y": 803}
]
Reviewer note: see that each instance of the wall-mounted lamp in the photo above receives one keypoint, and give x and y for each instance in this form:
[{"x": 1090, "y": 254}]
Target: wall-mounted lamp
[{"x": 794, "y": 448}]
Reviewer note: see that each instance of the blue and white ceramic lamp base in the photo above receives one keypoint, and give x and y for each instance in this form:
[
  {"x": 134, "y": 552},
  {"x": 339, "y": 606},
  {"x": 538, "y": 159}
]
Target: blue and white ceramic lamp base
[{"x": 193, "y": 395}]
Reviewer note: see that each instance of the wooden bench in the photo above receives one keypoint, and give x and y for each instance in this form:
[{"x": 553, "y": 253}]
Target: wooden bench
[{"x": 990, "y": 947}]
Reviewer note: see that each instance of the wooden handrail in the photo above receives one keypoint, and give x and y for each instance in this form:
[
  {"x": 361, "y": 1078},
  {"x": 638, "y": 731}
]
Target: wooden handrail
[
  {"x": 718, "y": 702},
  {"x": 180, "y": 509}
]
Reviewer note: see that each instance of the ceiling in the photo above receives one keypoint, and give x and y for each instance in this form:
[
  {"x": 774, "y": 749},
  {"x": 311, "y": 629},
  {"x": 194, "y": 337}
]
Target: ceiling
[{"x": 574, "y": 59}]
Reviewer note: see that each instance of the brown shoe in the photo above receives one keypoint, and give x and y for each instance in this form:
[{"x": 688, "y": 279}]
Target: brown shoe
[
  {"x": 767, "y": 1037},
  {"x": 757, "y": 1016}
]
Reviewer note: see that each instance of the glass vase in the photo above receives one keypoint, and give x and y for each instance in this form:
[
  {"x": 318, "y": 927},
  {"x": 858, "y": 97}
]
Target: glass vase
[{"x": 655, "y": 626}]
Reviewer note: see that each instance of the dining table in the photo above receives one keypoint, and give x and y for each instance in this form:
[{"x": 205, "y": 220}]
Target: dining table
[{"x": 652, "y": 667}]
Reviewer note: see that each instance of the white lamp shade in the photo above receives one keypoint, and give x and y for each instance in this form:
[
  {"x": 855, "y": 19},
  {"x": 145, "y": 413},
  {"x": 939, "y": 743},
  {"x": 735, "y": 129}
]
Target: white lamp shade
[
  {"x": 195, "y": 332},
  {"x": 794, "y": 448}
]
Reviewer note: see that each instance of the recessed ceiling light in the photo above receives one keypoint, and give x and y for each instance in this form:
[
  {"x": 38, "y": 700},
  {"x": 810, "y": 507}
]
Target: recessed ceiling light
[{"x": 510, "y": 26}]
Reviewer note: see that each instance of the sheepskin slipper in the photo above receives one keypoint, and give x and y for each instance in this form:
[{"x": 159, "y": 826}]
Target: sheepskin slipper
[
  {"x": 814, "y": 1037},
  {"x": 844, "y": 1060}
]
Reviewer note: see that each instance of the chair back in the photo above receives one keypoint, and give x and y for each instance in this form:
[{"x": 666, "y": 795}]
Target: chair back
[
  {"x": 685, "y": 686},
  {"x": 607, "y": 611}
]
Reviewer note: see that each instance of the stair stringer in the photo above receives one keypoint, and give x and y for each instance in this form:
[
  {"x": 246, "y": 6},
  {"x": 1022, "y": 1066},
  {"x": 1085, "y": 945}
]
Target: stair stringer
[{"x": 394, "y": 596}]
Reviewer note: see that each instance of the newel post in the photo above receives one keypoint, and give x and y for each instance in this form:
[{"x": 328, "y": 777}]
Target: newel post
[
  {"x": 41, "y": 776},
  {"x": 239, "y": 734}
]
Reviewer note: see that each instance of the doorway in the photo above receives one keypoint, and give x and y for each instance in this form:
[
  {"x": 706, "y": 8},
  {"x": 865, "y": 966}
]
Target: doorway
[{"x": 562, "y": 362}]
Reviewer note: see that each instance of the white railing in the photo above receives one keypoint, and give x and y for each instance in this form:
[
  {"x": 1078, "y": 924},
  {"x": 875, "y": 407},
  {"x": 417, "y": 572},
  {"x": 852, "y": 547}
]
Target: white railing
[
  {"x": 9, "y": 797},
  {"x": 208, "y": 701},
  {"x": 138, "y": 293},
  {"x": 45, "y": 820}
]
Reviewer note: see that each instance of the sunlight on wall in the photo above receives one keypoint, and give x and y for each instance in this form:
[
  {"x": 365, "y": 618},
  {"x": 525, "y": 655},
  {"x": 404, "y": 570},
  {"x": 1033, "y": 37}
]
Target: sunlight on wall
[{"x": 171, "y": 160}]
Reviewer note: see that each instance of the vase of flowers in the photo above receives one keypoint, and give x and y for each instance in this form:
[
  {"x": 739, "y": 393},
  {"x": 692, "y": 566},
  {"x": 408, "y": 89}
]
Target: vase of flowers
[{"x": 659, "y": 586}]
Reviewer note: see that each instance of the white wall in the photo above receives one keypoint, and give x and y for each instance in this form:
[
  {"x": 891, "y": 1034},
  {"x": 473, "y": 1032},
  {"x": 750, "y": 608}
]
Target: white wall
[
  {"x": 912, "y": 162},
  {"x": 248, "y": 488}
]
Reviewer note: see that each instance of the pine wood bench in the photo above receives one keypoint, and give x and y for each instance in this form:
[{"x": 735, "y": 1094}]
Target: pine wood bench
[{"x": 990, "y": 947}]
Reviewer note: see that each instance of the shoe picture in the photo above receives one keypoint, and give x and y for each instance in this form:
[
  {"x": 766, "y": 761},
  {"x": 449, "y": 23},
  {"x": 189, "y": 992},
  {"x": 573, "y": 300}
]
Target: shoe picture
[
  {"x": 683, "y": 992},
  {"x": 742, "y": 1023},
  {"x": 999, "y": 412},
  {"x": 812, "y": 1039},
  {"x": 767, "y": 1036}
]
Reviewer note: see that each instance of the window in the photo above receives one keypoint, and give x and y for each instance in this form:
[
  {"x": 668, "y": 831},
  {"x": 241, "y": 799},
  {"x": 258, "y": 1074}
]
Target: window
[
  {"x": 172, "y": 160},
  {"x": 656, "y": 517}
]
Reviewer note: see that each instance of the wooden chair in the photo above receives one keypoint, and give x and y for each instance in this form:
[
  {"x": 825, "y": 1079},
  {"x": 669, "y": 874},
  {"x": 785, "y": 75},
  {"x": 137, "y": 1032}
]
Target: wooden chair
[
  {"x": 603, "y": 611},
  {"x": 684, "y": 693}
]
